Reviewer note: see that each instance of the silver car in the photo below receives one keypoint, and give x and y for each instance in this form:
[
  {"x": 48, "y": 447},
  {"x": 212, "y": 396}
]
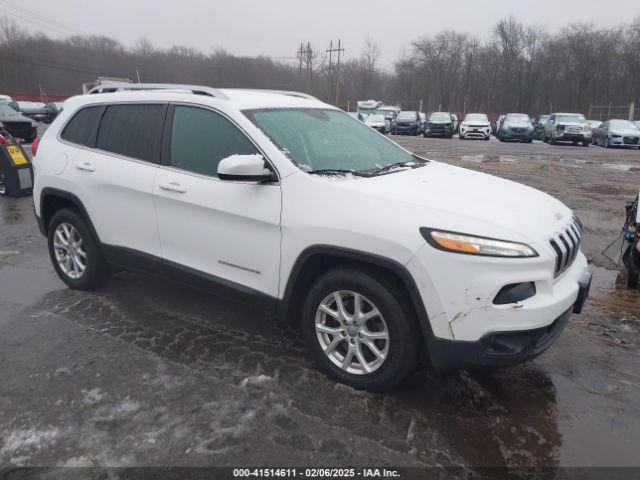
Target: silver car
[
  {"x": 568, "y": 127},
  {"x": 617, "y": 133}
]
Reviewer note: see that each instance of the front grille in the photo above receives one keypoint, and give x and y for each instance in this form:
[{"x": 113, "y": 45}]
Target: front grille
[
  {"x": 566, "y": 245},
  {"x": 478, "y": 126},
  {"x": 631, "y": 140}
]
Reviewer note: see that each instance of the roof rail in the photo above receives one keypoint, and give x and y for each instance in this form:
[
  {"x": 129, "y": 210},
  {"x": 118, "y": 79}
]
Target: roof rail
[
  {"x": 195, "y": 89},
  {"x": 290, "y": 93}
]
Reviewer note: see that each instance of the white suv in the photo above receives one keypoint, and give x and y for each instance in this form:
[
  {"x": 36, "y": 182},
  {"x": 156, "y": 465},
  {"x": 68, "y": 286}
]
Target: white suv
[
  {"x": 475, "y": 125},
  {"x": 381, "y": 256}
]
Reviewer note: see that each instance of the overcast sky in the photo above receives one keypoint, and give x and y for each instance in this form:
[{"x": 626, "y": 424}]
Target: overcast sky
[{"x": 276, "y": 27}]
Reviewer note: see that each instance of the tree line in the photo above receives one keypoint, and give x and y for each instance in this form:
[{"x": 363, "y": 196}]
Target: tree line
[{"x": 517, "y": 68}]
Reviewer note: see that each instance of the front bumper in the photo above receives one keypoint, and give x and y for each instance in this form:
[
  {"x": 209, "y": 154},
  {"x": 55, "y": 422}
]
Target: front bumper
[
  {"x": 509, "y": 134},
  {"x": 506, "y": 348},
  {"x": 475, "y": 132},
  {"x": 629, "y": 141},
  {"x": 563, "y": 136},
  {"x": 414, "y": 129}
]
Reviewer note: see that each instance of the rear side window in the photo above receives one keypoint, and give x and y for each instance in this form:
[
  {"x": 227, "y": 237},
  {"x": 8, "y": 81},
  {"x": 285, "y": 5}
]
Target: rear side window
[
  {"x": 201, "y": 138},
  {"x": 132, "y": 130},
  {"x": 81, "y": 126}
]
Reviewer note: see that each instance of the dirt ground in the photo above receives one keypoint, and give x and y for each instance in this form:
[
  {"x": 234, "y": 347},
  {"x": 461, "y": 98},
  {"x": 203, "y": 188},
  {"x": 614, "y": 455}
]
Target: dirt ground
[{"x": 145, "y": 372}]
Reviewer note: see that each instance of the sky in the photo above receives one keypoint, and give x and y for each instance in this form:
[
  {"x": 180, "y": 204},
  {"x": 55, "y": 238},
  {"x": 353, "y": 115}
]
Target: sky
[{"x": 276, "y": 27}]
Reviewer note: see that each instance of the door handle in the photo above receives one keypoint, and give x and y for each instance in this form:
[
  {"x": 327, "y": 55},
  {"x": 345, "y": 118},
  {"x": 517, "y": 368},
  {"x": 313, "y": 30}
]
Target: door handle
[
  {"x": 86, "y": 166},
  {"x": 173, "y": 187}
]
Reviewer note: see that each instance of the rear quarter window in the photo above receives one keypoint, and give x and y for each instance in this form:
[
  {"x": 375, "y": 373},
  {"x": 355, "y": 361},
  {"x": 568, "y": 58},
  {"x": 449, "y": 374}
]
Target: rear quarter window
[
  {"x": 79, "y": 129},
  {"x": 133, "y": 130}
]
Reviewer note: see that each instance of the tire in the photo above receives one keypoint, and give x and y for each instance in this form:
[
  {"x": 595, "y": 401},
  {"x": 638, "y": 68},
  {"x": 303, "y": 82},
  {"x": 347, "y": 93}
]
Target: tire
[
  {"x": 4, "y": 191},
  {"x": 400, "y": 349},
  {"x": 586, "y": 143},
  {"x": 606, "y": 142},
  {"x": 486, "y": 139},
  {"x": 633, "y": 271},
  {"x": 460, "y": 137},
  {"x": 424, "y": 135},
  {"x": 95, "y": 271},
  {"x": 450, "y": 136}
]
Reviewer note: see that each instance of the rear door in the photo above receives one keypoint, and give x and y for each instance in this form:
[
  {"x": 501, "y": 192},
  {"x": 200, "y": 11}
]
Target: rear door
[
  {"x": 227, "y": 231},
  {"x": 116, "y": 174}
]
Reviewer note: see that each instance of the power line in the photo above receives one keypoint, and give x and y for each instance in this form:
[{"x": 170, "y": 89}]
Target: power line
[
  {"x": 32, "y": 21},
  {"x": 44, "y": 18}
]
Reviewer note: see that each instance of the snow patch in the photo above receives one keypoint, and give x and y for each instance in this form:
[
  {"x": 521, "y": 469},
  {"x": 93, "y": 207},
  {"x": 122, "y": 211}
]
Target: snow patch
[
  {"x": 28, "y": 439},
  {"x": 93, "y": 396},
  {"x": 255, "y": 380}
]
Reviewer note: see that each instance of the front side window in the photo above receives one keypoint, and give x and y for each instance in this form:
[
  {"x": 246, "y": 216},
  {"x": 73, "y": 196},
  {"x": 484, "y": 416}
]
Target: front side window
[
  {"x": 78, "y": 130},
  {"x": 133, "y": 130},
  {"x": 201, "y": 138},
  {"x": 325, "y": 139}
]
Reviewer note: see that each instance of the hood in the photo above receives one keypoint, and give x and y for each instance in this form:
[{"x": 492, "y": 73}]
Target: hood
[
  {"x": 453, "y": 198},
  {"x": 15, "y": 118},
  {"x": 625, "y": 131}
]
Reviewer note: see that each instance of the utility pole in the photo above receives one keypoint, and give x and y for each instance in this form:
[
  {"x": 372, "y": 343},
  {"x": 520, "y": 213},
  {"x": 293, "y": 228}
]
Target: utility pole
[
  {"x": 301, "y": 55},
  {"x": 331, "y": 51},
  {"x": 309, "y": 55}
]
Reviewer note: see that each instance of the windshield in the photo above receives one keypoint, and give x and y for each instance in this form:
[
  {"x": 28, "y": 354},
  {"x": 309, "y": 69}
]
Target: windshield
[
  {"x": 322, "y": 139},
  {"x": 375, "y": 118},
  {"x": 476, "y": 117},
  {"x": 7, "y": 110},
  {"x": 440, "y": 117},
  {"x": 518, "y": 118},
  {"x": 621, "y": 124},
  {"x": 407, "y": 116},
  {"x": 571, "y": 118},
  {"x": 387, "y": 113}
]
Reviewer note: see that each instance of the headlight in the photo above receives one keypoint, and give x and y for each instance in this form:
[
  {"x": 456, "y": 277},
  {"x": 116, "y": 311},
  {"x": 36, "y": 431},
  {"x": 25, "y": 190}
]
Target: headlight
[
  {"x": 586, "y": 128},
  {"x": 471, "y": 245}
]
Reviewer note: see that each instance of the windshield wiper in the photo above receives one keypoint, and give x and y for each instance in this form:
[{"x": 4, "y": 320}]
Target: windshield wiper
[
  {"x": 418, "y": 162},
  {"x": 335, "y": 171}
]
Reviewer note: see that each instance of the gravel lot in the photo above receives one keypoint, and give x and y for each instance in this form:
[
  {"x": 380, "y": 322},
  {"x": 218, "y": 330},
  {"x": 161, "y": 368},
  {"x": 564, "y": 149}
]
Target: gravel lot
[{"x": 146, "y": 372}]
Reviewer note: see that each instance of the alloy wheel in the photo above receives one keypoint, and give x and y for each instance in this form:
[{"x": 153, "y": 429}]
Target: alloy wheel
[
  {"x": 69, "y": 252},
  {"x": 352, "y": 332}
]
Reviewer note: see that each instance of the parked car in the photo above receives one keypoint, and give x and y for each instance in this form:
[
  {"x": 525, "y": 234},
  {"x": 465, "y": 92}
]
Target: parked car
[
  {"x": 456, "y": 123},
  {"x": 496, "y": 125},
  {"x": 276, "y": 198},
  {"x": 389, "y": 112},
  {"x": 637, "y": 123},
  {"x": 475, "y": 125},
  {"x": 19, "y": 127},
  {"x": 5, "y": 99},
  {"x": 33, "y": 110},
  {"x": 617, "y": 133},
  {"x": 516, "y": 126},
  {"x": 423, "y": 121},
  {"x": 378, "y": 122},
  {"x": 406, "y": 123},
  {"x": 538, "y": 126},
  {"x": 356, "y": 115},
  {"x": 439, "y": 124},
  {"x": 594, "y": 124},
  {"x": 567, "y": 127},
  {"x": 53, "y": 109}
]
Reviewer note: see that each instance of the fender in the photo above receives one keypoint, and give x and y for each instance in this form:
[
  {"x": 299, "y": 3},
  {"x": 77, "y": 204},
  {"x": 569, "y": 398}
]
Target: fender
[
  {"x": 287, "y": 302},
  {"x": 56, "y": 192}
]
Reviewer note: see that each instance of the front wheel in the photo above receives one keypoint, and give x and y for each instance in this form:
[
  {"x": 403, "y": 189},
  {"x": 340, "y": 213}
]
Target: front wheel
[
  {"x": 606, "y": 142},
  {"x": 74, "y": 252},
  {"x": 359, "y": 331},
  {"x": 586, "y": 143}
]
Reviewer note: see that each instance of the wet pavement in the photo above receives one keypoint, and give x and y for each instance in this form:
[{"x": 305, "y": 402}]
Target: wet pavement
[{"x": 146, "y": 372}]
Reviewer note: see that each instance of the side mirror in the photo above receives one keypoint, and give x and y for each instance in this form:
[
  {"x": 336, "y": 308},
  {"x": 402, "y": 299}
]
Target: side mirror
[{"x": 245, "y": 168}]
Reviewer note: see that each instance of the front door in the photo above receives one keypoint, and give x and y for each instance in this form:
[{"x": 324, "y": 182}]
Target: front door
[{"x": 228, "y": 231}]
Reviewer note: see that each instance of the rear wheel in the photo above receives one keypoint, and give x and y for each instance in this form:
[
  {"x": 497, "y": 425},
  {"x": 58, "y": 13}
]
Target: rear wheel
[
  {"x": 3, "y": 186},
  {"x": 74, "y": 252},
  {"x": 359, "y": 331}
]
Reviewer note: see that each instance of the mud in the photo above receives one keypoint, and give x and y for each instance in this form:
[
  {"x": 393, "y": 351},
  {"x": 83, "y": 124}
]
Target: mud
[{"x": 146, "y": 372}]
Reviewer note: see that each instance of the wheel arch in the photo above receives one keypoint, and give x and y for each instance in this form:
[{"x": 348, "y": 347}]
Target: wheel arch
[
  {"x": 54, "y": 199},
  {"x": 318, "y": 259}
]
